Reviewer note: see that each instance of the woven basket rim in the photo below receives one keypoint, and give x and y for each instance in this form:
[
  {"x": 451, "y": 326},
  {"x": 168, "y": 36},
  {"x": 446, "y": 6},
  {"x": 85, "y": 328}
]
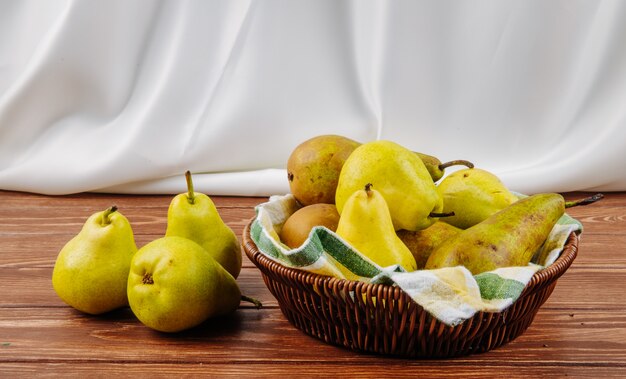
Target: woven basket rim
[{"x": 541, "y": 278}]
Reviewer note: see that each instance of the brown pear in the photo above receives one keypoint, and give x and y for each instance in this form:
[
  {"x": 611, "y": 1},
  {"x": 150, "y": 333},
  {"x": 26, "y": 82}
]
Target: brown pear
[
  {"x": 298, "y": 226},
  {"x": 313, "y": 168}
]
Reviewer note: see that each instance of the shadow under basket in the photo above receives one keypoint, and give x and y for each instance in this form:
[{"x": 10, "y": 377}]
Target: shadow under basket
[{"x": 382, "y": 319}]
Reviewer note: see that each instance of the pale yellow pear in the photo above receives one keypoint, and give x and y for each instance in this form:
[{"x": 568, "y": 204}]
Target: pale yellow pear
[
  {"x": 473, "y": 195},
  {"x": 399, "y": 175},
  {"x": 366, "y": 225}
]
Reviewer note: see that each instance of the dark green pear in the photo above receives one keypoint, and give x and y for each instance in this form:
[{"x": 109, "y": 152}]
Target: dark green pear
[{"x": 509, "y": 237}]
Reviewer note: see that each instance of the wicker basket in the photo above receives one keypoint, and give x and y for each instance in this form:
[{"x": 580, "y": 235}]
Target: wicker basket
[{"x": 345, "y": 313}]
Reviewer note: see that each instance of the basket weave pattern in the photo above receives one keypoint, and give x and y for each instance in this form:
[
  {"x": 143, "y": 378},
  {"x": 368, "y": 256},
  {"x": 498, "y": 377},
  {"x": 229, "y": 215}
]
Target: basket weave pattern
[{"x": 379, "y": 318}]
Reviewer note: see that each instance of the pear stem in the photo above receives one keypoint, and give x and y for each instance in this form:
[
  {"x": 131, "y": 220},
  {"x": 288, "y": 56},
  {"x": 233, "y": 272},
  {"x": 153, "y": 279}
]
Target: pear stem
[
  {"x": 435, "y": 214},
  {"x": 257, "y": 304},
  {"x": 191, "y": 197},
  {"x": 106, "y": 220},
  {"x": 457, "y": 162},
  {"x": 585, "y": 201},
  {"x": 368, "y": 189}
]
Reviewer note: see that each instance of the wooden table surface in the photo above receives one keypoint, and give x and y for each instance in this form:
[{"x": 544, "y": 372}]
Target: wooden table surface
[{"x": 579, "y": 331}]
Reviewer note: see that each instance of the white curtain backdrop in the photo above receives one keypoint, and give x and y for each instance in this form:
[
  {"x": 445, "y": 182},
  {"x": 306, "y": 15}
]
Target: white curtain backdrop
[{"x": 124, "y": 96}]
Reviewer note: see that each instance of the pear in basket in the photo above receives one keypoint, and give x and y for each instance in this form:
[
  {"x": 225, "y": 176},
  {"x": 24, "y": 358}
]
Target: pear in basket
[
  {"x": 510, "y": 237},
  {"x": 313, "y": 168},
  {"x": 399, "y": 175},
  {"x": 423, "y": 242},
  {"x": 436, "y": 168},
  {"x": 366, "y": 225},
  {"x": 473, "y": 195}
]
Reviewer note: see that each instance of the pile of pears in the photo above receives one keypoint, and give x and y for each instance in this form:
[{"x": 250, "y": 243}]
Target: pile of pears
[
  {"x": 171, "y": 284},
  {"x": 398, "y": 207}
]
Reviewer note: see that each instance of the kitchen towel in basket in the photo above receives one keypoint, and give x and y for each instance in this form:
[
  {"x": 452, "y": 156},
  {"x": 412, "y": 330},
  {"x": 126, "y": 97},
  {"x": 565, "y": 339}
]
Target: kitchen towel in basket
[{"x": 452, "y": 295}]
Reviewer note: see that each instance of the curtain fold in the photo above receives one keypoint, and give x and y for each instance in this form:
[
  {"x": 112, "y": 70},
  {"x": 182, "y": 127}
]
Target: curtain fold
[{"x": 124, "y": 96}]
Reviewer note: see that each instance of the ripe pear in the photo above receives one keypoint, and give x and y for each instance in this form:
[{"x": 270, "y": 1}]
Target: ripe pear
[
  {"x": 366, "y": 224},
  {"x": 298, "y": 226},
  {"x": 174, "y": 284},
  {"x": 509, "y": 237},
  {"x": 422, "y": 243},
  {"x": 399, "y": 175},
  {"x": 194, "y": 216},
  {"x": 91, "y": 270},
  {"x": 313, "y": 168},
  {"x": 473, "y": 195}
]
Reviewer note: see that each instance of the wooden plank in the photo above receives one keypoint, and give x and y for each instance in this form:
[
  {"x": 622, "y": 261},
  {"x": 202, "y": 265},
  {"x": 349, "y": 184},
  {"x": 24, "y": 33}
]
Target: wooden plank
[
  {"x": 250, "y": 335},
  {"x": 98, "y": 200},
  {"x": 608, "y": 216},
  {"x": 42, "y": 250},
  {"x": 32, "y": 287},
  {"x": 579, "y": 331},
  {"x": 68, "y": 220},
  {"x": 578, "y": 288},
  {"x": 396, "y": 368},
  {"x": 35, "y": 250}
]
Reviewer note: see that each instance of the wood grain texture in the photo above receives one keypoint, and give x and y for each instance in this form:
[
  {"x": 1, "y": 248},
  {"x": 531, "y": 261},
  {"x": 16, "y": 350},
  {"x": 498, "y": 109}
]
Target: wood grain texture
[{"x": 580, "y": 331}]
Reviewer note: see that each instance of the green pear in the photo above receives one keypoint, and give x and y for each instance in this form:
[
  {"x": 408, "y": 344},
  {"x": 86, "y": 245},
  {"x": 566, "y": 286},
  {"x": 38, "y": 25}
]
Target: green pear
[
  {"x": 473, "y": 195},
  {"x": 399, "y": 175},
  {"x": 91, "y": 270},
  {"x": 507, "y": 238},
  {"x": 194, "y": 216},
  {"x": 174, "y": 284},
  {"x": 314, "y": 165},
  {"x": 423, "y": 242},
  {"x": 366, "y": 225}
]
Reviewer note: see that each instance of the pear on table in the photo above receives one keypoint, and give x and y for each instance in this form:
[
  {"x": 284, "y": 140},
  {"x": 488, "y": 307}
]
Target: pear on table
[
  {"x": 194, "y": 216},
  {"x": 174, "y": 284},
  {"x": 366, "y": 225},
  {"x": 91, "y": 270}
]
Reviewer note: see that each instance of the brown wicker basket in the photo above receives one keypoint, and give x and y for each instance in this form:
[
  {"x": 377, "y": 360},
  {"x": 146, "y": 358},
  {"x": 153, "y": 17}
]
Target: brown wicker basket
[{"x": 341, "y": 312}]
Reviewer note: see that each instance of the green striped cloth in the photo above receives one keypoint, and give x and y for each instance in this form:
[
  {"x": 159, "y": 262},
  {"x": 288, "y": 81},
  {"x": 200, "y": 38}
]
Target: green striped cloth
[{"x": 452, "y": 294}]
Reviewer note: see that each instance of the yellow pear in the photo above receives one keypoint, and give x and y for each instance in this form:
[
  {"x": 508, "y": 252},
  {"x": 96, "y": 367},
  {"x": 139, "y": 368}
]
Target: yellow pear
[
  {"x": 194, "y": 216},
  {"x": 91, "y": 270},
  {"x": 366, "y": 225},
  {"x": 174, "y": 284},
  {"x": 473, "y": 195},
  {"x": 399, "y": 175}
]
